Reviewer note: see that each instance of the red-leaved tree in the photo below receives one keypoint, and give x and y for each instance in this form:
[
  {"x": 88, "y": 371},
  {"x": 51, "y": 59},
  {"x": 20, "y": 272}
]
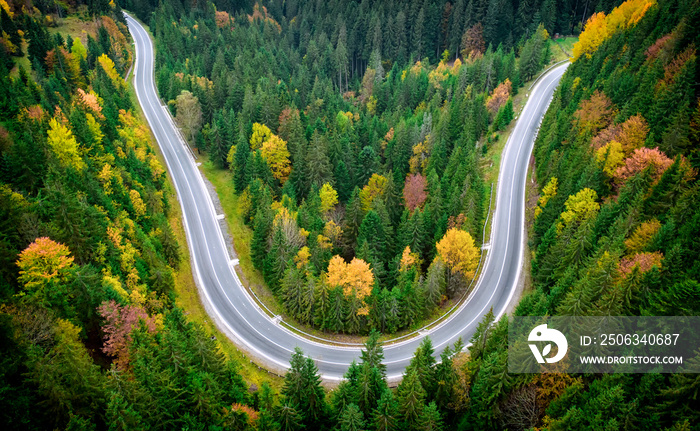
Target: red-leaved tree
[
  {"x": 414, "y": 192},
  {"x": 645, "y": 261},
  {"x": 120, "y": 321}
]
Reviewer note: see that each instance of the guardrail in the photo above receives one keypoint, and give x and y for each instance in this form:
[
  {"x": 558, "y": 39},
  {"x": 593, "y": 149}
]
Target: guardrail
[
  {"x": 544, "y": 72},
  {"x": 425, "y": 328},
  {"x": 422, "y": 330}
]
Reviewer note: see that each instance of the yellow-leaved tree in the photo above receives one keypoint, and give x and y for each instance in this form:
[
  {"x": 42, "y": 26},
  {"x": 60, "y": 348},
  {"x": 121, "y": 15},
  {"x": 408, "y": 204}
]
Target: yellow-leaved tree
[
  {"x": 408, "y": 259},
  {"x": 374, "y": 188},
  {"x": 109, "y": 69},
  {"x": 548, "y": 192},
  {"x": 6, "y": 7},
  {"x": 63, "y": 145},
  {"x": 329, "y": 197},
  {"x": 45, "y": 268},
  {"x": 261, "y": 133},
  {"x": 579, "y": 207},
  {"x": 458, "y": 251},
  {"x": 610, "y": 156},
  {"x": 356, "y": 278},
  {"x": 275, "y": 153},
  {"x": 642, "y": 235},
  {"x": 600, "y": 27}
]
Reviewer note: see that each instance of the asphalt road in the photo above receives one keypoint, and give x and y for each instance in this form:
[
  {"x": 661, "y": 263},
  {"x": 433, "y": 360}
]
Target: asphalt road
[{"x": 262, "y": 337}]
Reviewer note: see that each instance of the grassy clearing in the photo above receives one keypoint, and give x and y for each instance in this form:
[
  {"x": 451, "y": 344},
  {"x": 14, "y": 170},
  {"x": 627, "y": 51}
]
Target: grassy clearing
[
  {"x": 78, "y": 27},
  {"x": 222, "y": 180},
  {"x": 563, "y": 48},
  {"x": 188, "y": 297}
]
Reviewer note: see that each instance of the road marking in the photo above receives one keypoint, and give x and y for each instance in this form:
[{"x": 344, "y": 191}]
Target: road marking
[{"x": 173, "y": 152}]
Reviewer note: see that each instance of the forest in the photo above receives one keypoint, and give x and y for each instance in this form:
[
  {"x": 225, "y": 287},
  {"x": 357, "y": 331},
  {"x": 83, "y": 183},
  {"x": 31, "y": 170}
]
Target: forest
[
  {"x": 356, "y": 157},
  {"x": 356, "y": 161}
]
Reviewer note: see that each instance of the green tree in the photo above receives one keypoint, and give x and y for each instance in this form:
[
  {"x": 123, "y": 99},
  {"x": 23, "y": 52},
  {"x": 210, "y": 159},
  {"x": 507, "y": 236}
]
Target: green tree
[
  {"x": 385, "y": 417},
  {"x": 351, "y": 419},
  {"x": 302, "y": 388},
  {"x": 411, "y": 400}
]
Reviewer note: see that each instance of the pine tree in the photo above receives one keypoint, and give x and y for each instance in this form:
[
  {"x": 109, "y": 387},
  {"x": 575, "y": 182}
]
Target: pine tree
[
  {"x": 430, "y": 419},
  {"x": 351, "y": 419},
  {"x": 302, "y": 388},
  {"x": 240, "y": 170},
  {"x": 385, "y": 417},
  {"x": 372, "y": 231},
  {"x": 411, "y": 400}
]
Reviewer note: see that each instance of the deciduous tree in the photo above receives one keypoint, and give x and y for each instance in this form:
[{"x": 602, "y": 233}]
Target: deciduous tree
[
  {"x": 64, "y": 146},
  {"x": 473, "y": 41},
  {"x": 458, "y": 251},
  {"x": 355, "y": 278},
  {"x": 579, "y": 207},
  {"x": 188, "y": 114},
  {"x": 414, "y": 191},
  {"x": 275, "y": 153}
]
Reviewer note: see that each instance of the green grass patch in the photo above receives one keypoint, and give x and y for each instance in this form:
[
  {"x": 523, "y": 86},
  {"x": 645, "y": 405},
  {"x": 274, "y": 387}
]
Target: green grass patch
[
  {"x": 187, "y": 294},
  {"x": 75, "y": 26},
  {"x": 222, "y": 180},
  {"x": 563, "y": 48}
]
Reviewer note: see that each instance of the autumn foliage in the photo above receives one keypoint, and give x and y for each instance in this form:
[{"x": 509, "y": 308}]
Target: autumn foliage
[
  {"x": 329, "y": 197},
  {"x": 356, "y": 278},
  {"x": 408, "y": 259},
  {"x": 595, "y": 112},
  {"x": 644, "y": 261},
  {"x": 373, "y": 189},
  {"x": 64, "y": 145},
  {"x": 223, "y": 19},
  {"x": 499, "y": 96},
  {"x": 414, "y": 191},
  {"x": 473, "y": 41},
  {"x": 642, "y": 235},
  {"x": 274, "y": 151},
  {"x": 44, "y": 261},
  {"x": 641, "y": 159},
  {"x": 120, "y": 321},
  {"x": 458, "y": 251},
  {"x": 600, "y": 27},
  {"x": 581, "y": 206},
  {"x": 548, "y": 192}
]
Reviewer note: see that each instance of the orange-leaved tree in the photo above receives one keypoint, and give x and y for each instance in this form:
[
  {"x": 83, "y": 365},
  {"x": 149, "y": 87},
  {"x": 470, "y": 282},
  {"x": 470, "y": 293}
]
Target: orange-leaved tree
[
  {"x": 499, "y": 96},
  {"x": 595, "y": 112},
  {"x": 641, "y": 159},
  {"x": 643, "y": 261}
]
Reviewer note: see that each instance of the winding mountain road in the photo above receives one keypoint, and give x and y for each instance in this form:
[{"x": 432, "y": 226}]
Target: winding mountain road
[{"x": 262, "y": 337}]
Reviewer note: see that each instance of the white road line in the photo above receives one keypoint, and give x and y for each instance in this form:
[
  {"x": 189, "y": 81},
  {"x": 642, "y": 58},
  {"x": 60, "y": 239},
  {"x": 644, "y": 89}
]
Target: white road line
[{"x": 172, "y": 151}]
